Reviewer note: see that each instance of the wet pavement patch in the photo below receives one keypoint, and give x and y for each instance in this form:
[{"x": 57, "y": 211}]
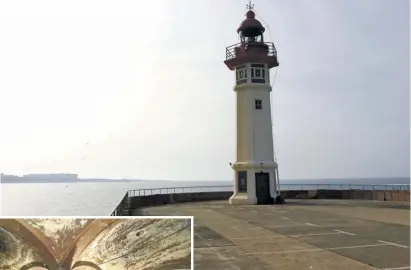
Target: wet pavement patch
[{"x": 205, "y": 237}]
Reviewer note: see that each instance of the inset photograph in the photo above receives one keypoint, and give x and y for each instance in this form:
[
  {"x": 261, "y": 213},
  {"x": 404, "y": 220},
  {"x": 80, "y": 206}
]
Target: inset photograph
[{"x": 96, "y": 243}]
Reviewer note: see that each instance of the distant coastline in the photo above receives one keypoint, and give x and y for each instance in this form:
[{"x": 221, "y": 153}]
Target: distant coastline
[
  {"x": 55, "y": 178},
  {"x": 66, "y": 181}
]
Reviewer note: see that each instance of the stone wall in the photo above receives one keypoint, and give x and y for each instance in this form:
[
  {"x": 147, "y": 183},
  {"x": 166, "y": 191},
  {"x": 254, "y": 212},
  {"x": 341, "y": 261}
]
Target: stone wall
[
  {"x": 131, "y": 203},
  {"x": 378, "y": 195},
  {"x": 160, "y": 199}
]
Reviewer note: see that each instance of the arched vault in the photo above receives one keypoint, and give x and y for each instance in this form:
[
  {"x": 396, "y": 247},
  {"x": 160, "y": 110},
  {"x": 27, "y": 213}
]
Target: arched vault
[{"x": 27, "y": 233}]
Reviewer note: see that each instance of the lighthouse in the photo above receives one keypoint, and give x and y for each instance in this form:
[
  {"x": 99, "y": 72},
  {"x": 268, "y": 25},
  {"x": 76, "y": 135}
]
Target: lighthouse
[{"x": 255, "y": 170}]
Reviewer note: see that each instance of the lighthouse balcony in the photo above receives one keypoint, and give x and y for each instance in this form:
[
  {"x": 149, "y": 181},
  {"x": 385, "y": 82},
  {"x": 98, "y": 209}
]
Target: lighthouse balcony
[
  {"x": 240, "y": 49},
  {"x": 251, "y": 52}
]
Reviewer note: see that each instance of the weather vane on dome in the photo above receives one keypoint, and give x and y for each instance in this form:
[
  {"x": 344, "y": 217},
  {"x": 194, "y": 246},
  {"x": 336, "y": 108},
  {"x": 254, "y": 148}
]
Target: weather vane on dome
[{"x": 250, "y": 6}]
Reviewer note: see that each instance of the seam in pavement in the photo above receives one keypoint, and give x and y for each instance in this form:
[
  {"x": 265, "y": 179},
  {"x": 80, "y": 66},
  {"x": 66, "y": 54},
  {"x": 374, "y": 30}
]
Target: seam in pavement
[{"x": 220, "y": 246}]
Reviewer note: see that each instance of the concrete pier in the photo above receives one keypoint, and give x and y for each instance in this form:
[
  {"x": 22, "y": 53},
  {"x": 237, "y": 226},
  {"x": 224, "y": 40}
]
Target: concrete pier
[{"x": 302, "y": 234}]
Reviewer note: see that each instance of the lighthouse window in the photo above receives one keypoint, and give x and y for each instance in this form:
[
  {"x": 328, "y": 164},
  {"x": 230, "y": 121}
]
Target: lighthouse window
[
  {"x": 258, "y": 73},
  {"x": 258, "y": 104},
  {"x": 241, "y": 75}
]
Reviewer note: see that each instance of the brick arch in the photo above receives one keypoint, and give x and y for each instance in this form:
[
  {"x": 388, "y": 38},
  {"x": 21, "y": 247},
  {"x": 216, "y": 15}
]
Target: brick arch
[
  {"x": 34, "y": 264},
  {"x": 85, "y": 238},
  {"x": 42, "y": 244},
  {"x": 85, "y": 263},
  {"x": 28, "y": 234}
]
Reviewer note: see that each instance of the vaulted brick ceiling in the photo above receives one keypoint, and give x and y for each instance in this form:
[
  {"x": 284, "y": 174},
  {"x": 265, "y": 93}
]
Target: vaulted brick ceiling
[{"x": 84, "y": 244}]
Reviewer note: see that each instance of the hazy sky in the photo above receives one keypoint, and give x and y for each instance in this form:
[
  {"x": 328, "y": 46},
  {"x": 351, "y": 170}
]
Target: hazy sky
[{"x": 138, "y": 89}]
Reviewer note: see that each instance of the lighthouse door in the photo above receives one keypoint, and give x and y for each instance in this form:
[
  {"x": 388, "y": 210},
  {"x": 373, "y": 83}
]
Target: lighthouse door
[{"x": 262, "y": 188}]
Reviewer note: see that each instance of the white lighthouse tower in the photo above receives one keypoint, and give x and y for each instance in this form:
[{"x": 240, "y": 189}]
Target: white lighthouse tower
[{"x": 256, "y": 175}]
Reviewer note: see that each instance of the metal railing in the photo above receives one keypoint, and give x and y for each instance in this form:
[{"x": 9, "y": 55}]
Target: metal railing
[
  {"x": 175, "y": 190},
  {"x": 123, "y": 207},
  {"x": 389, "y": 187},
  {"x": 230, "y": 50},
  {"x": 192, "y": 189}
]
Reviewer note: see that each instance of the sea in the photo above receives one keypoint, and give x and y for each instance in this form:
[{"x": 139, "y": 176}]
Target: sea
[{"x": 101, "y": 198}]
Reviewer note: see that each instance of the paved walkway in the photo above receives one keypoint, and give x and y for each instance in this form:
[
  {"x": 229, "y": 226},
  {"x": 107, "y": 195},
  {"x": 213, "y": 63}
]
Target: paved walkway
[{"x": 302, "y": 234}]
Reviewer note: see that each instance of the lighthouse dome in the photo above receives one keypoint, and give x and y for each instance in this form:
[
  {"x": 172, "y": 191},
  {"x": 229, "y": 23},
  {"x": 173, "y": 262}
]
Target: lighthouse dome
[{"x": 250, "y": 27}]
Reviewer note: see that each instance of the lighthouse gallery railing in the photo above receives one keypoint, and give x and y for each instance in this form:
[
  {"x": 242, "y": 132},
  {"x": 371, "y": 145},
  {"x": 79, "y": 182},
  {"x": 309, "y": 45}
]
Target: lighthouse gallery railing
[{"x": 230, "y": 51}]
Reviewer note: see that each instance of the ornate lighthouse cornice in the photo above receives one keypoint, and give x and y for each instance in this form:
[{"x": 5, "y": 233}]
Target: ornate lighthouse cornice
[
  {"x": 255, "y": 165},
  {"x": 254, "y": 86}
]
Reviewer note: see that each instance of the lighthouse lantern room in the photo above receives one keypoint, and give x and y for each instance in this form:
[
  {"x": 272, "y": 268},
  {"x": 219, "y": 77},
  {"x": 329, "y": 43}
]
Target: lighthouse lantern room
[{"x": 256, "y": 171}]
